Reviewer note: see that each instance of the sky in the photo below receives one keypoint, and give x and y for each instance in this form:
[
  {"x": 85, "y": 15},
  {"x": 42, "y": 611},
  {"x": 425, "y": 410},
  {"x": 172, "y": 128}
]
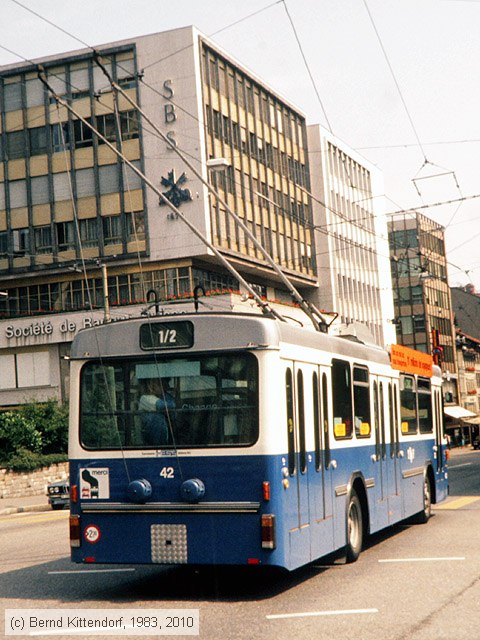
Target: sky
[{"x": 397, "y": 80}]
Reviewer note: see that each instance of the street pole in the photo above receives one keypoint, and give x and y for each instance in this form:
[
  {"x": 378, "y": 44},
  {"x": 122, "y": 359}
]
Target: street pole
[{"x": 106, "y": 305}]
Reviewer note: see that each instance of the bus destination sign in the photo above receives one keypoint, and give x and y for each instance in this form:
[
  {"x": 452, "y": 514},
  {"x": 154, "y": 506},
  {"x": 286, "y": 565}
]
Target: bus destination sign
[{"x": 166, "y": 335}]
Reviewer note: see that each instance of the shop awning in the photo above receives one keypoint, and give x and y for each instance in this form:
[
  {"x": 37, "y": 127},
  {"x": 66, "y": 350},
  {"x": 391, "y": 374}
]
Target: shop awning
[
  {"x": 474, "y": 420},
  {"x": 458, "y": 412}
]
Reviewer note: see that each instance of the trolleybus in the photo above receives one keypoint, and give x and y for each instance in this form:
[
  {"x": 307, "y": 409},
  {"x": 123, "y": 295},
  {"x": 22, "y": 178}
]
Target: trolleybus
[{"x": 236, "y": 439}]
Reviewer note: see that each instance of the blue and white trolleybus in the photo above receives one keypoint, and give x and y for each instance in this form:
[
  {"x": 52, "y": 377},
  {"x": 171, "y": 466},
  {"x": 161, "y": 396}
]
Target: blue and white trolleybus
[{"x": 235, "y": 439}]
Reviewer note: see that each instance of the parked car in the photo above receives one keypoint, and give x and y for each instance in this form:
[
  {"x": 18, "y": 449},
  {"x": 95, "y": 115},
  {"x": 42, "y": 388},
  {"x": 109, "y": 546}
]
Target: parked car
[{"x": 58, "y": 494}]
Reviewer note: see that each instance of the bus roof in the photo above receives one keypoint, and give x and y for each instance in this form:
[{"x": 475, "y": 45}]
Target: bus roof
[{"x": 214, "y": 331}]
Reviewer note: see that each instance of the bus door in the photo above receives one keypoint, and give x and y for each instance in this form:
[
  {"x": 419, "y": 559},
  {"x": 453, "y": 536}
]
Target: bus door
[
  {"x": 439, "y": 447},
  {"x": 320, "y": 469},
  {"x": 393, "y": 453},
  {"x": 379, "y": 458},
  {"x": 297, "y": 494}
]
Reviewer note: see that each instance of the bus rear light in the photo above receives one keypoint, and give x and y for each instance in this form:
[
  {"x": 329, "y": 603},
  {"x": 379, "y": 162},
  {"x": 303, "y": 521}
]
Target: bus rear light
[
  {"x": 90, "y": 559},
  {"x": 253, "y": 561},
  {"x": 74, "y": 493},
  {"x": 266, "y": 490},
  {"x": 268, "y": 532},
  {"x": 74, "y": 531}
]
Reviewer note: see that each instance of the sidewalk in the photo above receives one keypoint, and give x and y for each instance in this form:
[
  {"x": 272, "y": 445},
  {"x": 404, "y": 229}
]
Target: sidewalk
[{"x": 21, "y": 505}]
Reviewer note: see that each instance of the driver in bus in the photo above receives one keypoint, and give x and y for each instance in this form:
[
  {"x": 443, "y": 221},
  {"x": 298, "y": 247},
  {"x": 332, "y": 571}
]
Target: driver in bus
[{"x": 154, "y": 404}]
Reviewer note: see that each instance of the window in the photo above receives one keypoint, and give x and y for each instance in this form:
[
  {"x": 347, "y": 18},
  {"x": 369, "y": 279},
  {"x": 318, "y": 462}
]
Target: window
[
  {"x": 129, "y": 125},
  {"x": 112, "y": 232},
  {"x": 214, "y": 398},
  {"x": 39, "y": 190},
  {"x": 61, "y": 186},
  {"x": 107, "y": 127},
  {"x": 16, "y": 145},
  {"x": 3, "y": 243},
  {"x": 425, "y": 409},
  {"x": 301, "y": 422},
  {"x": 21, "y": 244},
  {"x": 82, "y": 134},
  {"x": 408, "y": 408},
  {"x": 342, "y": 399},
  {"x": 316, "y": 421},
  {"x": 361, "y": 402},
  {"x": 60, "y": 137},
  {"x": 135, "y": 226},
  {"x": 290, "y": 422},
  {"x": 18, "y": 193},
  {"x": 43, "y": 239},
  {"x": 108, "y": 178},
  {"x": 85, "y": 181},
  {"x": 38, "y": 140},
  {"x": 13, "y": 96},
  {"x": 65, "y": 235},
  {"x": 35, "y": 93},
  {"x": 88, "y": 232}
]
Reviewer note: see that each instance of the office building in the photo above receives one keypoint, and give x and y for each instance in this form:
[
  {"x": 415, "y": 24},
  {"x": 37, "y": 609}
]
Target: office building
[{"x": 73, "y": 214}]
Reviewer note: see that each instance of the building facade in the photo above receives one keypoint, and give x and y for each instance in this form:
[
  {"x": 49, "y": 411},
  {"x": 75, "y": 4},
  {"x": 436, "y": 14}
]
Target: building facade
[
  {"x": 69, "y": 207},
  {"x": 79, "y": 226},
  {"x": 422, "y": 299},
  {"x": 351, "y": 236}
]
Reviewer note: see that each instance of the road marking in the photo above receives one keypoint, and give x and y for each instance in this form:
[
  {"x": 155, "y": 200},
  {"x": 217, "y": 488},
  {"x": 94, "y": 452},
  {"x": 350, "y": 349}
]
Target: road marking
[
  {"x": 444, "y": 559},
  {"x": 306, "y": 614},
  {"x": 456, "y": 466},
  {"x": 56, "y": 573},
  {"x": 457, "y": 503}
]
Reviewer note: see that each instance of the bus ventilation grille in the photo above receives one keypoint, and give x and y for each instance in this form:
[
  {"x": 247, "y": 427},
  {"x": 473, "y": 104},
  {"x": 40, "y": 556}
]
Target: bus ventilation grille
[{"x": 169, "y": 543}]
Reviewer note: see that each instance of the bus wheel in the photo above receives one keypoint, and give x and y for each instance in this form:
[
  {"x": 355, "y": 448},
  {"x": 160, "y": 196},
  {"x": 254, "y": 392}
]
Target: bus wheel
[
  {"x": 424, "y": 515},
  {"x": 354, "y": 528}
]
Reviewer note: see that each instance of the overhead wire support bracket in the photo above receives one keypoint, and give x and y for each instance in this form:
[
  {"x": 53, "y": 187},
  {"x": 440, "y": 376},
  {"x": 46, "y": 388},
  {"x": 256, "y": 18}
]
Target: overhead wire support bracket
[
  {"x": 317, "y": 318},
  {"x": 263, "y": 304}
]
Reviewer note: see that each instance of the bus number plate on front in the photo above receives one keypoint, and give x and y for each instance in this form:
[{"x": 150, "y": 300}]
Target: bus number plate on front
[{"x": 166, "y": 335}]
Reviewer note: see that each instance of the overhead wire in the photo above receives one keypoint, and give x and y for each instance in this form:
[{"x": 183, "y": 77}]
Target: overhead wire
[{"x": 224, "y": 28}]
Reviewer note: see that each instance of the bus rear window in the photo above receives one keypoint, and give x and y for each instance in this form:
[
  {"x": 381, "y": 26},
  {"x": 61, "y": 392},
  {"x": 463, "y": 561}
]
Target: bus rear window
[{"x": 201, "y": 401}]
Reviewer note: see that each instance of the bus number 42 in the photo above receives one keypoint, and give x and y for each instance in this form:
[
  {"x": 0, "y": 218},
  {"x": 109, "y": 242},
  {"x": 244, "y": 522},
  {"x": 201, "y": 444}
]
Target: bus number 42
[{"x": 167, "y": 472}]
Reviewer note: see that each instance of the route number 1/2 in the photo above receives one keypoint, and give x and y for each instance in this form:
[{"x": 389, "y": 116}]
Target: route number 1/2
[{"x": 167, "y": 336}]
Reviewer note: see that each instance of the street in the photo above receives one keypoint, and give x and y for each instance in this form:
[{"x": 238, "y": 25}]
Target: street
[{"x": 412, "y": 582}]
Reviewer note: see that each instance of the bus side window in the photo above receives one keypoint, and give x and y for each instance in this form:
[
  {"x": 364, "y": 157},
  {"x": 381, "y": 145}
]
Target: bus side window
[
  {"x": 408, "y": 405},
  {"x": 290, "y": 422},
  {"x": 361, "y": 402},
  {"x": 342, "y": 399}
]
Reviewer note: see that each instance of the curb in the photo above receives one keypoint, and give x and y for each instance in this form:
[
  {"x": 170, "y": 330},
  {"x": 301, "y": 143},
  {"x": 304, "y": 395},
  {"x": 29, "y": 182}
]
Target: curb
[{"x": 29, "y": 508}]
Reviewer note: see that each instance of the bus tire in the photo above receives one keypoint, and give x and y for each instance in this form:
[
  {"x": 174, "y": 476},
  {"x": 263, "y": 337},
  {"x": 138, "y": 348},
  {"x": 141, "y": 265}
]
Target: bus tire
[
  {"x": 423, "y": 516},
  {"x": 354, "y": 528}
]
